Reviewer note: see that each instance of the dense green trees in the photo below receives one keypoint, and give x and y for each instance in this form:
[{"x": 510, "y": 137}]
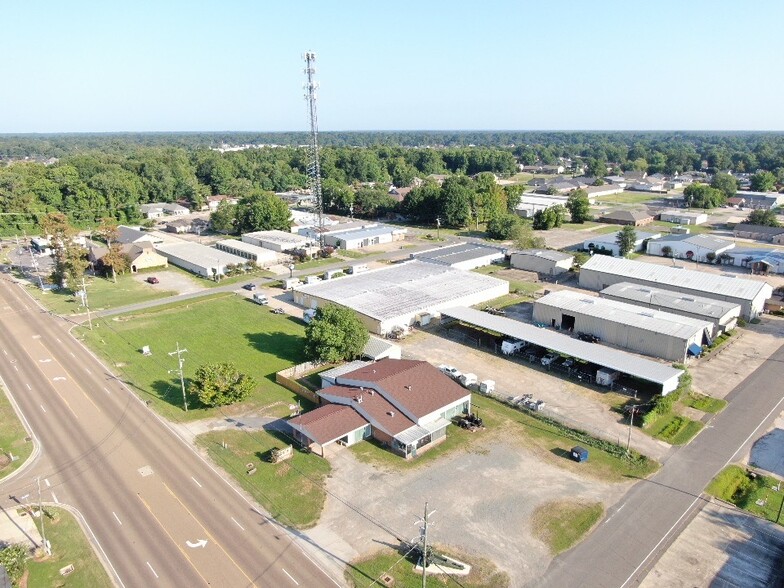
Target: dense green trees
[
  {"x": 726, "y": 183},
  {"x": 70, "y": 259},
  {"x": 335, "y": 334},
  {"x": 262, "y": 211},
  {"x": 549, "y": 218},
  {"x": 763, "y": 217},
  {"x": 763, "y": 181},
  {"x": 699, "y": 195},
  {"x": 626, "y": 239},
  {"x": 578, "y": 206},
  {"x": 503, "y": 226},
  {"x": 219, "y": 384}
]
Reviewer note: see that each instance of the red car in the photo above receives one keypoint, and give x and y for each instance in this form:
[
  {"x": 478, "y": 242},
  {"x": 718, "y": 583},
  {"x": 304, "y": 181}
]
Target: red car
[{"x": 152, "y": 280}]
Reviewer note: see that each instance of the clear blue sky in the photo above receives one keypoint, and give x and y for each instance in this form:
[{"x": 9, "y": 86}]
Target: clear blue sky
[{"x": 176, "y": 65}]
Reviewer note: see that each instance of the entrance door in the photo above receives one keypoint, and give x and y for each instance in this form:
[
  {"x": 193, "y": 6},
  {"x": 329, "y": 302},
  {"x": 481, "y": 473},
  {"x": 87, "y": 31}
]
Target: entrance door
[{"x": 567, "y": 322}]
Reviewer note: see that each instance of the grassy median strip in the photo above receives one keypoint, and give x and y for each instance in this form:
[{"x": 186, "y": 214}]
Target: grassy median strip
[
  {"x": 13, "y": 438},
  {"x": 759, "y": 494},
  {"x": 291, "y": 491},
  {"x": 674, "y": 429},
  {"x": 69, "y": 547},
  {"x": 705, "y": 403},
  {"x": 562, "y": 523},
  {"x": 366, "y": 570},
  {"x": 222, "y": 327}
]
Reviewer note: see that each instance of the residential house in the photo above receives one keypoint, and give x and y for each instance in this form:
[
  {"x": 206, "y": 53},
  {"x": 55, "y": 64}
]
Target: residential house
[
  {"x": 759, "y": 261},
  {"x": 760, "y": 233},
  {"x": 608, "y": 243},
  {"x": 126, "y": 234},
  {"x": 634, "y": 218},
  {"x": 683, "y": 217},
  {"x": 762, "y": 200},
  {"x": 405, "y": 404},
  {"x": 178, "y": 226},
  {"x": 600, "y": 191},
  {"x": 398, "y": 194},
  {"x": 141, "y": 255},
  {"x": 214, "y": 201}
]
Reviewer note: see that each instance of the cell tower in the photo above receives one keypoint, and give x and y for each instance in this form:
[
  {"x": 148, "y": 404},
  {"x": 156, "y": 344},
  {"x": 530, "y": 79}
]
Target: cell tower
[{"x": 314, "y": 168}]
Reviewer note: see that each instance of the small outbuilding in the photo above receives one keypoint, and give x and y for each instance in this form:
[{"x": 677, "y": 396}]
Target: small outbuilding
[
  {"x": 543, "y": 261},
  {"x": 365, "y": 237},
  {"x": 683, "y": 217},
  {"x": 608, "y": 243},
  {"x": 263, "y": 257},
  {"x": 204, "y": 261},
  {"x": 692, "y": 247},
  {"x": 463, "y": 256},
  {"x": 280, "y": 241},
  {"x": 634, "y": 218}
]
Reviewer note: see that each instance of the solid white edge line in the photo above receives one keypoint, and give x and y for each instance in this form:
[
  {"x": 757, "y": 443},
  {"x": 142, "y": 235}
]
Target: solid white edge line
[
  {"x": 290, "y": 576},
  {"x": 667, "y": 534},
  {"x": 196, "y": 481},
  {"x": 116, "y": 517},
  {"x": 42, "y": 407},
  {"x": 152, "y": 570},
  {"x": 295, "y": 540},
  {"x": 237, "y": 523},
  {"x": 46, "y": 481}
]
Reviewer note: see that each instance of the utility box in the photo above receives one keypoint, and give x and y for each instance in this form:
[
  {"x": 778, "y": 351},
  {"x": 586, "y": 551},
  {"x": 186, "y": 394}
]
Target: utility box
[
  {"x": 357, "y": 268},
  {"x": 606, "y": 377},
  {"x": 579, "y": 454}
]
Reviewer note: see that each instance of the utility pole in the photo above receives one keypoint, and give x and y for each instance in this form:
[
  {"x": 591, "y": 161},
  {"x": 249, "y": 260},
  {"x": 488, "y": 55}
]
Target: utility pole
[
  {"x": 631, "y": 424},
  {"x": 41, "y": 516},
  {"x": 86, "y": 304},
  {"x": 34, "y": 262},
  {"x": 314, "y": 167},
  {"x": 424, "y": 549},
  {"x": 180, "y": 361},
  {"x": 438, "y": 228}
]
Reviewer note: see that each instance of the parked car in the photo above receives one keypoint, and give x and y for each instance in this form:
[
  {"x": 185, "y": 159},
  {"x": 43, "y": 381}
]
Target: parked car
[
  {"x": 152, "y": 280},
  {"x": 588, "y": 337},
  {"x": 250, "y": 286},
  {"x": 567, "y": 363},
  {"x": 549, "y": 358},
  {"x": 450, "y": 371}
]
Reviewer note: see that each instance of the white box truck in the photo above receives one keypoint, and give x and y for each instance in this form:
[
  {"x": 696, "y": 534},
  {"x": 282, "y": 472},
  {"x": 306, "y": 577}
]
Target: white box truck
[{"x": 605, "y": 377}]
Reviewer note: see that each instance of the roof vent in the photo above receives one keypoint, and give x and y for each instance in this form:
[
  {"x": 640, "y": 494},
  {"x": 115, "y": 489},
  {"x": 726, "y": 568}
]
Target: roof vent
[
  {"x": 371, "y": 391},
  {"x": 359, "y": 399},
  {"x": 408, "y": 387},
  {"x": 391, "y": 413}
]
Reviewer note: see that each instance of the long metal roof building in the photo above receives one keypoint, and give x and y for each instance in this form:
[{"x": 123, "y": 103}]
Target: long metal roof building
[
  {"x": 621, "y": 361},
  {"x": 636, "y": 328},
  {"x": 601, "y": 271}
]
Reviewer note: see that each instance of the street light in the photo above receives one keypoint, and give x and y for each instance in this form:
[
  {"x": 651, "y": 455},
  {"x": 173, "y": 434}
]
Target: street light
[
  {"x": 291, "y": 270},
  {"x": 438, "y": 228}
]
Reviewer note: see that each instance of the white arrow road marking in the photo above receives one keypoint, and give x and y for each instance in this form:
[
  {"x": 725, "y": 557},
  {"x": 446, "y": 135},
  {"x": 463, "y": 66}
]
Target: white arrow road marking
[
  {"x": 44, "y": 360},
  {"x": 236, "y": 523},
  {"x": 46, "y": 481},
  {"x": 28, "y": 386},
  {"x": 116, "y": 517},
  {"x": 152, "y": 570},
  {"x": 58, "y": 379},
  {"x": 54, "y": 497},
  {"x": 199, "y": 543},
  {"x": 290, "y": 576}
]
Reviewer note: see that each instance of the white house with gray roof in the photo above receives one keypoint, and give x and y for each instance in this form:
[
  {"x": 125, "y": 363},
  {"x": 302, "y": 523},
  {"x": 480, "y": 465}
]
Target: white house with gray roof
[
  {"x": 691, "y": 247},
  {"x": 542, "y": 261},
  {"x": 609, "y": 242}
]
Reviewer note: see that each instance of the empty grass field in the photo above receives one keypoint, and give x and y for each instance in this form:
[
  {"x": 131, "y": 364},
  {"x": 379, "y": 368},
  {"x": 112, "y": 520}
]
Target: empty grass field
[
  {"x": 12, "y": 438},
  {"x": 291, "y": 491},
  {"x": 216, "y": 328},
  {"x": 628, "y": 198},
  {"x": 367, "y": 570},
  {"x": 674, "y": 429},
  {"x": 704, "y": 403},
  {"x": 102, "y": 294},
  {"x": 560, "y": 524},
  {"x": 69, "y": 547}
]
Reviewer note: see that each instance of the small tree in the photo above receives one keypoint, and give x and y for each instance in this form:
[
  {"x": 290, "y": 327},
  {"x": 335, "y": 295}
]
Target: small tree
[
  {"x": 626, "y": 239},
  {"x": 524, "y": 237},
  {"x": 335, "y": 334},
  {"x": 666, "y": 251},
  {"x": 219, "y": 384},
  {"x": 578, "y": 206},
  {"x": 766, "y": 218},
  {"x": 14, "y": 559},
  {"x": 502, "y": 226},
  {"x": 763, "y": 181},
  {"x": 710, "y": 256}
]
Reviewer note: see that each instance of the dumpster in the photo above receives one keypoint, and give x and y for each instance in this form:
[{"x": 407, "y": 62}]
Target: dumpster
[{"x": 579, "y": 454}]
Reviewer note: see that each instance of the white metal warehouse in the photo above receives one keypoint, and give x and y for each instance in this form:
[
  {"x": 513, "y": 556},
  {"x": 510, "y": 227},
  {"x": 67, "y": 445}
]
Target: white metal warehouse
[
  {"x": 543, "y": 261},
  {"x": 277, "y": 240},
  {"x": 463, "y": 256},
  {"x": 199, "y": 259},
  {"x": 642, "y": 330},
  {"x": 664, "y": 376},
  {"x": 602, "y": 270},
  {"x": 399, "y": 295},
  {"x": 264, "y": 257},
  {"x": 723, "y": 315}
]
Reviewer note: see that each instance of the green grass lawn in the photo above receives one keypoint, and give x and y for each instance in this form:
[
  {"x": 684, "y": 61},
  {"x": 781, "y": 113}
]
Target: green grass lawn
[
  {"x": 222, "y": 327},
  {"x": 554, "y": 445},
  {"x": 560, "y": 524},
  {"x": 316, "y": 263},
  {"x": 102, "y": 293},
  {"x": 291, "y": 491},
  {"x": 352, "y": 254},
  {"x": 665, "y": 227},
  {"x": 515, "y": 286},
  {"x": 69, "y": 547},
  {"x": 628, "y": 198},
  {"x": 12, "y": 438},
  {"x": 578, "y": 226},
  {"x": 364, "y": 571},
  {"x": 705, "y": 403},
  {"x": 758, "y": 495},
  {"x": 674, "y": 429}
]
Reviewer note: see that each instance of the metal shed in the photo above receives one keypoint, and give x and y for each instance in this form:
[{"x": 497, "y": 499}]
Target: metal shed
[
  {"x": 601, "y": 271},
  {"x": 542, "y": 261},
  {"x": 664, "y": 376},
  {"x": 642, "y": 330},
  {"x": 723, "y": 315}
]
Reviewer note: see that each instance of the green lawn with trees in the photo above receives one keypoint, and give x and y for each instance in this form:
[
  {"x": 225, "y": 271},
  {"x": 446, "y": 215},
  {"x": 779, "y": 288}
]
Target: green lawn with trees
[
  {"x": 562, "y": 523},
  {"x": 757, "y": 493},
  {"x": 13, "y": 438},
  {"x": 217, "y": 328},
  {"x": 335, "y": 334}
]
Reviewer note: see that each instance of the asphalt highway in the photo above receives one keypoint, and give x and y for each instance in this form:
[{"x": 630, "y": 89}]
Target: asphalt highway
[
  {"x": 158, "y": 513},
  {"x": 635, "y": 533}
]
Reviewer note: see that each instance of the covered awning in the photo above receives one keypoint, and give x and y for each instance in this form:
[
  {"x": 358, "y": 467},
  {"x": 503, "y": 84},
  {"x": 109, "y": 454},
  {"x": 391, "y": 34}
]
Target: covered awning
[
  {"x": 695, "y": 349},
  {"x": 417, "y": 432}
]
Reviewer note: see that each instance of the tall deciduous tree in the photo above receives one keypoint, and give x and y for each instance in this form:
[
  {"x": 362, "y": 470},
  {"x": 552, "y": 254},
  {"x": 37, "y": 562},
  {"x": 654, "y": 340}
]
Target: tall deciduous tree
[
  {"x": 224, "y": 218},
  {"x": 626, "y": 239},
  {"x": 578, "y": 206},
  {"x": 525, "y": 238},
  {"x": 456, "y": 196},
  {"x": 502, "y": 226},
  {"x": 763, "y": 181},
  {"x": 262, "y": 211},
  {"x": 703, "y": 196},
  {"x": 763, "y": 217},
  {"x": 335, "y": 334},
  {"x": 219, "y": 384},
  {"x": 549, "y": 218},
  {"x": 726, "y": 183},
  {"x": 70, "y": 259}
]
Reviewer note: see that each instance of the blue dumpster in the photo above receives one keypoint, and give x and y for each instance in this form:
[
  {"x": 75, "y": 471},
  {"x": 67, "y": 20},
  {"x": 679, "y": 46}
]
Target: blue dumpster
[{"x": 579, "y": 454}]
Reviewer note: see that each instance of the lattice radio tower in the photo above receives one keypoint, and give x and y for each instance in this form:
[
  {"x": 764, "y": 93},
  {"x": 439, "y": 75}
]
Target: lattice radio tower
[{"x": 314, "y": 168}]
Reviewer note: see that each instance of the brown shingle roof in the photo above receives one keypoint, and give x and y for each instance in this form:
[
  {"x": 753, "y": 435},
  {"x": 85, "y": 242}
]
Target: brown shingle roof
[
  {"x": 415, "y": 385},
  {"x": 328, "y": 422},
  {"x": 377, "y": 409}
]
